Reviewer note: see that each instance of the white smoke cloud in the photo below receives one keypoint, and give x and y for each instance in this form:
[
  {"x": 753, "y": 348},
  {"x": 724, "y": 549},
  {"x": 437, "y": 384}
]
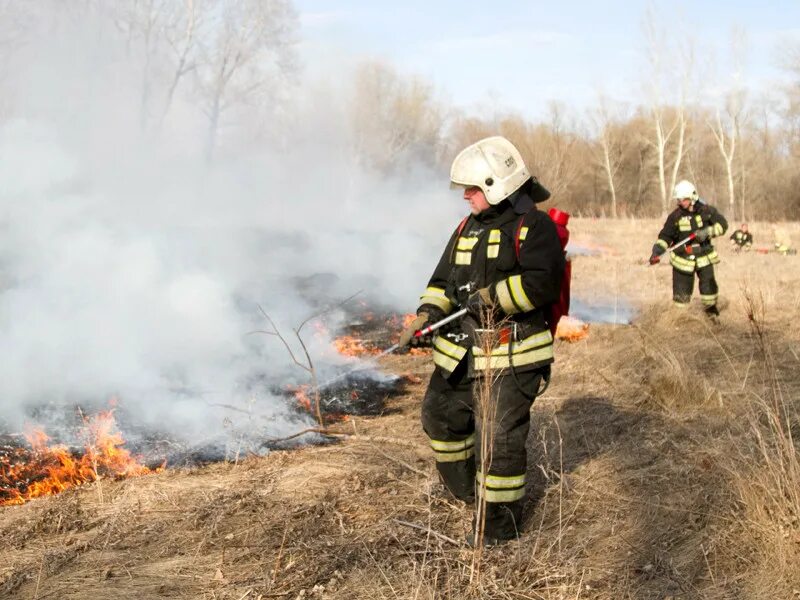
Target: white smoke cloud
[{"x": 129, "y": 267}]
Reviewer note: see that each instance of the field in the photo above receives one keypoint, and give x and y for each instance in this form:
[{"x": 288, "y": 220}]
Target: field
[{"x": 663, "y": 464}]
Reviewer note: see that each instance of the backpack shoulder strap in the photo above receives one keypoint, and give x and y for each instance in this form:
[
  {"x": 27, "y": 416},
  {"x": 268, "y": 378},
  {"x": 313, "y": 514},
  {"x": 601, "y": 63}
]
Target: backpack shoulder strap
[
  {"x": 462, "y": 225},
  {"x": 459, "y": 229}
]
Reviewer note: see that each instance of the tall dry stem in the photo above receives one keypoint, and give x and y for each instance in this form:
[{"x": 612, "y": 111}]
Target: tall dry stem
[{"x": 485, "y": 402}]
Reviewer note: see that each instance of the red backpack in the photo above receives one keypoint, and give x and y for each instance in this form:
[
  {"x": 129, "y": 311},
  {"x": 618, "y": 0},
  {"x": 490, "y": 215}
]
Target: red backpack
[{"x": 561, "y": 308}]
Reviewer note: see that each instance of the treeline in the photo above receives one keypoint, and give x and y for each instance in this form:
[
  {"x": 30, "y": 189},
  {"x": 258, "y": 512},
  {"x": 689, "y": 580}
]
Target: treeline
[
  {"x": 742, "y": 149},
  {"x": 233, "y": 67}
]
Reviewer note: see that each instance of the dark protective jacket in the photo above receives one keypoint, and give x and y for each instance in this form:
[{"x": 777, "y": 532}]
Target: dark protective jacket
[
  {"x": 682, "y": 222},
  {"x": 524, "y": 283},
  {"x": 743, "y": 239}
]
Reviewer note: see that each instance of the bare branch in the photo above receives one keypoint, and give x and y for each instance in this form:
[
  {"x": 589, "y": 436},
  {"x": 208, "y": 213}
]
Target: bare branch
[{"x": 277, "y": 333}]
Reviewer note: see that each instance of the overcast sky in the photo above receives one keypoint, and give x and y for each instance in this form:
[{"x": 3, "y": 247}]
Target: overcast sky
[{"x": 523, "y": 54}]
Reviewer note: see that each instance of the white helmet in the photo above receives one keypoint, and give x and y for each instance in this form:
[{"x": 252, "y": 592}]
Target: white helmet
[
  {"x": 492, "y": 164},
  {"x": 685, "y": 189}
]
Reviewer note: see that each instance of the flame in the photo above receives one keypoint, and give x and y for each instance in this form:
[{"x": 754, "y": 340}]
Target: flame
[
  {"x": 571, "y": 329},
  {"x": 44, "y": 470},
  {"x": 347, "y": 345},
  {"x": 301, "y": 395}
]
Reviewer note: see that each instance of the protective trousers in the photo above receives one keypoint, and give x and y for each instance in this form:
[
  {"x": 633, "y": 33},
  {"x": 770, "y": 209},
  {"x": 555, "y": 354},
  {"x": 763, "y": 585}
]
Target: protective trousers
[
  {"x": 683, "y": 284},
  {"x": 454, "y": 426}
]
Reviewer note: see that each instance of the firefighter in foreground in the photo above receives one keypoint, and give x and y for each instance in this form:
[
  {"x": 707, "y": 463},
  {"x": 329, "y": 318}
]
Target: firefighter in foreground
[
  {"x": 742, "y": 239},
  {"x": 692, "y": 216},
  {"x": 504, "y": 264}
]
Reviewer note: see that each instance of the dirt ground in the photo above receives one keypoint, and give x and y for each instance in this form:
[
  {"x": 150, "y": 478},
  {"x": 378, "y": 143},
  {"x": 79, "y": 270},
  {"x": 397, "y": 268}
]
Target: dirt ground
[{"x": 662, "y": 465}]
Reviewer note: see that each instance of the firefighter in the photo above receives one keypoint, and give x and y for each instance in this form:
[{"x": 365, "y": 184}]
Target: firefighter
[
  {"x": 504, "y": 263},
  {"x": 741, "y": 239},
  {"x": 781, "y": 241},
  {"x": 692, "y": 216}
]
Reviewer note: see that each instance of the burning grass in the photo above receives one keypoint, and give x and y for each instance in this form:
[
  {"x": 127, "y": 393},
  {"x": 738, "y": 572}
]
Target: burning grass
[
  {"x": 370, "y": 333},
  {"x": 32, "y": 466},
  {"x": 40, "y": 468},
  {"x": 360, "y": 393}
]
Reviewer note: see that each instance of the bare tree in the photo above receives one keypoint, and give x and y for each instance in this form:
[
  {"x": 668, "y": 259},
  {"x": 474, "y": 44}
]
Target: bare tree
[
  {"x": 246, "y": 45},
  {"x": 558, "y": 153},
  {"x": 181, "y": 35},
  {"x": 142, "y": 22},
  {"x": 669, "y": 119},
  {"x": 163, "y": 34},
  {"x": 394, "y": 119},
  {"x": 606, "y": 120},
  {"x": 552, "y": 150},
  {"x": 726, "y": 128},
  {"x": 790, "y": 113},
  {"x": 727, "y": 124}
]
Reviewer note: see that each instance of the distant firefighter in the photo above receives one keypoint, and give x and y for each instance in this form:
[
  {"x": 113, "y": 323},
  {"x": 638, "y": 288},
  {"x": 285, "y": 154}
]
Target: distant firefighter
[
  {"x": 700, "y": 222},
  {"x": 742, "y": 239},
  {"x": 781, "y": 241}
]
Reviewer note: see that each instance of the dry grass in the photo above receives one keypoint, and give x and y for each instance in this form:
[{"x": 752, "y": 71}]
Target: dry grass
[{"x": 663, "y": 465}]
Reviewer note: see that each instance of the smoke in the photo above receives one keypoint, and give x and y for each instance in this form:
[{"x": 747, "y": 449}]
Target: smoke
[
  {"x": 615, "y": 311},
  {"x": 132, "y": 268}
]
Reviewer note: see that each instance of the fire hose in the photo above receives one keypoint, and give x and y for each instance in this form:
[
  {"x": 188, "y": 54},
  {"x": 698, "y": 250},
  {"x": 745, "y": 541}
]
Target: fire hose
[{"x": 675, "y": 247}]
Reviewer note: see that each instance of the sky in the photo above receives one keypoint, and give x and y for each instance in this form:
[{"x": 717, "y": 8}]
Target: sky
[{"x": 521, "y": 55}]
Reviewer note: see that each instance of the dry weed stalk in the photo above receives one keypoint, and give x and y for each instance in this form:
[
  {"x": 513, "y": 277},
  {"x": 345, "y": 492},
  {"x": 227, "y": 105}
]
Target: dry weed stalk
[{"x": 485, "y": 408}]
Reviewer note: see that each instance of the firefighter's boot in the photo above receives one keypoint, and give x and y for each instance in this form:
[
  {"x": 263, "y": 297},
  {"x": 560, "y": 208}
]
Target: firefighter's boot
[
  {"x": 459, "y": 478},
  {"x": 503, "y": 522}
]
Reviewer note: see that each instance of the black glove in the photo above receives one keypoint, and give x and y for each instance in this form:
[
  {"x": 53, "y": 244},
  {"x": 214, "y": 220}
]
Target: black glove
[
  {"x": 479, "y": 302},
  {"x": 701, "y": 235},
  {"x": 407, "y": 336},
  {"x": 655, "y": 256}
]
